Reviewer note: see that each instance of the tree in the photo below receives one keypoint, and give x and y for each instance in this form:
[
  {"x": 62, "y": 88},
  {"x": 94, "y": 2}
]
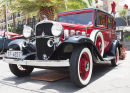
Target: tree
[
  {"x": 124, "y": 14},
  {"x": 3, "y": 10},
  {"x": 46, "y": 7}
]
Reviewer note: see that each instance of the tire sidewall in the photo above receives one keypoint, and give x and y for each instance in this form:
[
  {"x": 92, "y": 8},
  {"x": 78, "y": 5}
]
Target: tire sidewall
[
  {"x": 100, "y": 34},
  {"x": 117, "y": 51},
  {"x": 114, "y": 62}
]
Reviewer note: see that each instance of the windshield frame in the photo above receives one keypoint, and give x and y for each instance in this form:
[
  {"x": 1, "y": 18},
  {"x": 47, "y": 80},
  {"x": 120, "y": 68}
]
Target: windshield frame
[{"x": 77, "y": 12}]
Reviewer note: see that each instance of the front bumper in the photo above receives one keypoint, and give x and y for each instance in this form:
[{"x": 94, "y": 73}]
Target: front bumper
[{"x": 41, "y": 63}]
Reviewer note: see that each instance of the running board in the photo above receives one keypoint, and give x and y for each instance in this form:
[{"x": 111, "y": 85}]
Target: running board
[{"x": 109, "y": 58}]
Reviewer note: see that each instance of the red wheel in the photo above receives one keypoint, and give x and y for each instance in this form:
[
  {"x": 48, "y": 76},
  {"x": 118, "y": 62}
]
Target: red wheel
[
  {"x": 81, "y": 66},
  {"x": 115, "y": 61},
  {"x": 99, "y": 42},
  {"x": 84, "y": 66}
]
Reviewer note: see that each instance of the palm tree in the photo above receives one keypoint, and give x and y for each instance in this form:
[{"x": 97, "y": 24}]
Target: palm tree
[{"x": 46, "y": 7}]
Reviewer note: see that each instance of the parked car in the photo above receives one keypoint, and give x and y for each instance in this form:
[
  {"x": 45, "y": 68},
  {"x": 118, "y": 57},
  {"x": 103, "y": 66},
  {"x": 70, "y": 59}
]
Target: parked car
[
  {"x": 78, "y": 39},
  {"x": 18, "y": 37},
  {"x": 4, "y": 41}
]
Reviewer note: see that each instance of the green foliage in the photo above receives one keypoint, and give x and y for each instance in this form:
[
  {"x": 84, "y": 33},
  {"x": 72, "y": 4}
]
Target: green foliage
[
  {"x": 126, "y": 36},
  {"x": 90, "y": 2},
  {"x": 33, "y": 6},
  {"x": 11, "y": 28},
  {"x": 123, "y": 13},
  {"x": 19, "y": 29}
]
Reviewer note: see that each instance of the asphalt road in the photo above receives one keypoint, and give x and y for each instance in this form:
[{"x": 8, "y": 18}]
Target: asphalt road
[{"x": 105, "y": 79}]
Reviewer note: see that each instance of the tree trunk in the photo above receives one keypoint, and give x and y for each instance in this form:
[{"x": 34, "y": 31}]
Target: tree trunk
[
  {"x": 48, "y": 11},
  {"x": 14, "y": 23},
  {"x": 26, "y": 20}
]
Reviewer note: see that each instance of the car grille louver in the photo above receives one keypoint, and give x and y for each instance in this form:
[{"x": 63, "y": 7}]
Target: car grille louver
[{"x": 41, "y": 43}]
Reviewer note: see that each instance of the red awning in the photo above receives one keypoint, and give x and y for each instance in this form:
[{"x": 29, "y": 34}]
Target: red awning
[{"x": 9, "y": 33}]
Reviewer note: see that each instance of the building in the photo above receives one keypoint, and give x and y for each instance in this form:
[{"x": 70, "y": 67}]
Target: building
[{"x": 19, "y": 21}]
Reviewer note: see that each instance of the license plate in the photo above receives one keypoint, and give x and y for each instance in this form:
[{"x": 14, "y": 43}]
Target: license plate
[{"x": 14, "y": 54}]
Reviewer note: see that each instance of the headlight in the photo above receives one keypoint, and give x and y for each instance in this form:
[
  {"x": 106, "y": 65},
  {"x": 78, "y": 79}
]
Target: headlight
[
  {"x": 27, "y": 31},
  {"x": 57, "y": 29}
]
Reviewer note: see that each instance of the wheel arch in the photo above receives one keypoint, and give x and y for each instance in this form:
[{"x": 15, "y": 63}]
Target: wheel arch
[
  {"x": 28, "y": 51},
  {"x": 113, "y": 47},
  {"x": 94, "y": 36},
  {"x": 66, "y": 48},
  {"x": 16, "y": 43}
]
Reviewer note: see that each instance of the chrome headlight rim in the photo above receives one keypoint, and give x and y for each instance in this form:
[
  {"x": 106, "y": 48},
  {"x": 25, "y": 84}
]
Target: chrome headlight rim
[{"x": 57, "y": 29}]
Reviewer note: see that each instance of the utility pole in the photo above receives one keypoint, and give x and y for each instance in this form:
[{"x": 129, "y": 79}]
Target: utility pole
[{"x": 6, "y": 19}]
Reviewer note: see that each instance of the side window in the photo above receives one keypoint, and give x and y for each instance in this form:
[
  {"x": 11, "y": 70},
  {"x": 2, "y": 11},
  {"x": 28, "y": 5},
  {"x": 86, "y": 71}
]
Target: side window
[
  {"x": 114, "y": 25},
  {"x": 109, "y": 22},
  {"x": 101, "y": 19}
]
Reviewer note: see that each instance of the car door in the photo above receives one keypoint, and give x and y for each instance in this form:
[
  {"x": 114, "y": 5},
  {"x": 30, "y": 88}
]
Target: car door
[{"x": 101, "y": 24}]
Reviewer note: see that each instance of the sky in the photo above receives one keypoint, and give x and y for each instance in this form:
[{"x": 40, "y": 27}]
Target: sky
[{"x": 125, "y": 2}]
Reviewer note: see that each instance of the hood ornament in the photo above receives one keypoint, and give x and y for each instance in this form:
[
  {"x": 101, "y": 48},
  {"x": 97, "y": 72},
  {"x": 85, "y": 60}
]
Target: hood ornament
[{"x": 43, "y": 34}]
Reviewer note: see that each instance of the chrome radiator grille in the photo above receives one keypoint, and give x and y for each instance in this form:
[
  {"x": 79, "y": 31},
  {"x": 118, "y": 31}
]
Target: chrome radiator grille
[{"x": 41, "y": 43}]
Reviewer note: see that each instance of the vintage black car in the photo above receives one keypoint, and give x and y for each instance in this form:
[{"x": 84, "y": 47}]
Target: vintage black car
[
  {"x": 4, "y": 45},
  {"x": 78, "y": 40}
]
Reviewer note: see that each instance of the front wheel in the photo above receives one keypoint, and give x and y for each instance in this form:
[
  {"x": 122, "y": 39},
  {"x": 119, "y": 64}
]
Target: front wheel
[
  {"x": 81, "y": 66},
  {"x": 19, "y": 70},
  {"x": 114, "y": 62}
]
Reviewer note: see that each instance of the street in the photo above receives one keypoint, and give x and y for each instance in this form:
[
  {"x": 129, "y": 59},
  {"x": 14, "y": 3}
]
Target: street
[{"x": 105, "y": 79}]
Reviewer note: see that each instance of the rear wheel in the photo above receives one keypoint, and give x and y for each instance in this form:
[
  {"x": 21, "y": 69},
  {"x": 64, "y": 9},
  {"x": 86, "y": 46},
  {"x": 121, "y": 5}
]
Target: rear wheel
[
  {"x": 81, "y": 66},
  {"x": 114, "y": 62},
  {"x": 99, "y": 42}
]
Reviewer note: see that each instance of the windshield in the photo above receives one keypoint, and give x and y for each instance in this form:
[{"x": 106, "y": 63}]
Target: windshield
[{"x": 81, "y": 19}]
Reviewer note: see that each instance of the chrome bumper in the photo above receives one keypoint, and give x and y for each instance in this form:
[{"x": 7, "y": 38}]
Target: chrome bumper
[{"x": 42, "y": 63}]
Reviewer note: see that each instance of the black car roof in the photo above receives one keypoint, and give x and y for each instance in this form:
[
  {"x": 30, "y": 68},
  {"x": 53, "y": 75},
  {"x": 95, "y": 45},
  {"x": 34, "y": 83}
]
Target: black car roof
[{"x": 89, "y": 9}]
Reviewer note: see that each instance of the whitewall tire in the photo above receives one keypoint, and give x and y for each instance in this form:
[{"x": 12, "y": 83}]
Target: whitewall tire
[
  {"x": 115, "y": 62},
  {"x": 97, "y": 37},
  {"x": 81, "y": 65},
  {"x": 99, "y": 42}
]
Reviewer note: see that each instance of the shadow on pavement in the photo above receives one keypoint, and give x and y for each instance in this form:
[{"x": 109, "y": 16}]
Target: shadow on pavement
[{"x": 64, "y": 85}]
